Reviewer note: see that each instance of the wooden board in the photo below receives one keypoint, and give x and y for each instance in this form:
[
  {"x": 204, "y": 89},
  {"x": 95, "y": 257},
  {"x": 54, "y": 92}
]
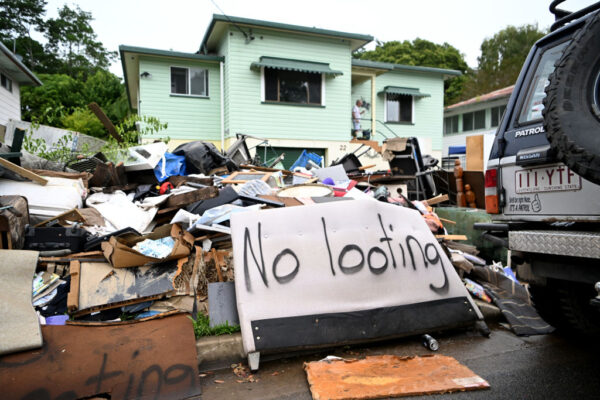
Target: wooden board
[
  {"x": 183, "y": 199},
  {"x": 389, "y": 376},
  {"x": 22, "y": 172},
  {"x": 102, "y": 287},
  {"x": 452, "y": 237},
  {"x": 474, "y": 153},
  {"x": 245, "y": 176},
  {"x": 146, "y": 360}
]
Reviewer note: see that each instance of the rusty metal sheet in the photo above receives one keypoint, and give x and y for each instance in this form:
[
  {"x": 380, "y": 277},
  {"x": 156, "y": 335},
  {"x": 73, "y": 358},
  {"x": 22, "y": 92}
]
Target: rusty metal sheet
[
  {"x": 148, "y": 360},
  {"x": 389, "y": 376}
]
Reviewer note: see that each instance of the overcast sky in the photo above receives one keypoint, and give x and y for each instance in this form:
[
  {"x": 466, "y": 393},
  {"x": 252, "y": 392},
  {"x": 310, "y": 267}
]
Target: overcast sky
[{"x": 180, "y": 24}]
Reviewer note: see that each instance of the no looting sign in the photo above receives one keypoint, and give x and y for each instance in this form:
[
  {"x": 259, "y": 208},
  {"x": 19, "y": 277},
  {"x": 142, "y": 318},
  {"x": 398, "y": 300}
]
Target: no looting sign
[{"x": 341, "y": 272}]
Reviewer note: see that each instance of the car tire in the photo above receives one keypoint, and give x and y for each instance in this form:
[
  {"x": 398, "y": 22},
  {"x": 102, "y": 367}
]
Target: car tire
[
  {"x": 572, "y": 103},
  {"x": 566, "y": 305}
]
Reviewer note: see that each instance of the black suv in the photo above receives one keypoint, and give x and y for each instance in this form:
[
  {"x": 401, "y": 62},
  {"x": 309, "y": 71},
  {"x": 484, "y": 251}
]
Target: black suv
[{"x": 542, "y": 185}]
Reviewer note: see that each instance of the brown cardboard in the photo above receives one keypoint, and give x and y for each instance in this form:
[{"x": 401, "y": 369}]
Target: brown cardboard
[
  {"x": 119, "y": 252},
  {"x": 474, "y": 153}
]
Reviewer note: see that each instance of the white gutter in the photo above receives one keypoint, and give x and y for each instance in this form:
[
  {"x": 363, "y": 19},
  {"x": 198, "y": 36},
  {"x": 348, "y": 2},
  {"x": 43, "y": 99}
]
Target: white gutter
[{"x": 222, "y": 108}]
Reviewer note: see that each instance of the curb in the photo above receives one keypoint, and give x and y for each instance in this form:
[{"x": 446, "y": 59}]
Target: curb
[{"x": 215, "y": 352}]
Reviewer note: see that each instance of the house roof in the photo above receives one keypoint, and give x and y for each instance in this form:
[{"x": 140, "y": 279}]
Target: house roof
[
  {"x": 10, "y": 63},
  {"x": 496, "y": 94},
  {"x": 294, "y": 65},
  {"x": 405, "y": 91},
  {"x": 219, "y": 22},
  {"x": 130, "y": 64},
  {"x": 401, "y": 67}
]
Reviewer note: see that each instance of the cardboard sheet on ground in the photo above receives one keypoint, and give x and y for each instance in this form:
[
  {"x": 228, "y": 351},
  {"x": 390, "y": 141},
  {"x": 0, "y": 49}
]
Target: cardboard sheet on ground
[
  {"x": 19, "y": 325},
  {"x": 389, "y": 376},
  {"x": 338, "y": 272},
  {"x": 102, "y": 286},
  {"x": 146, "y": 360}
]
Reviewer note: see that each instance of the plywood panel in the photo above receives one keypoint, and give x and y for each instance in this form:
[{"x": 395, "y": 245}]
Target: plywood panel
[
  {"x": 389, "y": 376},
  {"x": 474, "y": 153}
]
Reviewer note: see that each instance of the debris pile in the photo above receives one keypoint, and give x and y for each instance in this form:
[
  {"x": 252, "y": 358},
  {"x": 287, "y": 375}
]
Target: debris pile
[{"x": 147, "y": 236}]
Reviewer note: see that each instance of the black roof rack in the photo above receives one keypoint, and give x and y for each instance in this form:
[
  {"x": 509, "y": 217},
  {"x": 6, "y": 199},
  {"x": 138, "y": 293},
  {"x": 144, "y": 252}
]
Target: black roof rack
[{"x": 561, "y": 17}]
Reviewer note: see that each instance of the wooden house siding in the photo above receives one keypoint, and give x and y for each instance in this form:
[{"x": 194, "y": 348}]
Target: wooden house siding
[
  {"x": 245, "y": 111},
  {"x": 188, "y": 118}
]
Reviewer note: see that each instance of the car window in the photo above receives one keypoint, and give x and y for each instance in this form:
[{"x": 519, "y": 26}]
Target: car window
[{"x": 533, "y": 106}]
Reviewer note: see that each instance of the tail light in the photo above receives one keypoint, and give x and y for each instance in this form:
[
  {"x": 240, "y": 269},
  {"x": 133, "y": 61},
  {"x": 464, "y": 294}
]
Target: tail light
[{"x": 491, "y": 191}]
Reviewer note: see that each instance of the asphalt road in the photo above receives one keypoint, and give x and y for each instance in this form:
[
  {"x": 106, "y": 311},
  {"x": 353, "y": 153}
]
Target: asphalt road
[{"x": 536, "y": 367}]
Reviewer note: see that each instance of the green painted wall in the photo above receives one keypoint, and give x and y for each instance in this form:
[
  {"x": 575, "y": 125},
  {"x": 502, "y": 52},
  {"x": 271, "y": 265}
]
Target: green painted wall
[
  {"x": 428, "y": 116},
  {"x": 246, "y": 114},
  {"x": 189, "y": 118}
]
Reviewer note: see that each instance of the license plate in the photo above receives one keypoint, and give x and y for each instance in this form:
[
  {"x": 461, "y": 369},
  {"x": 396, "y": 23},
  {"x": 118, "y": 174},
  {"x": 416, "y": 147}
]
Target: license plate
[{"x": 546, "y": 179}]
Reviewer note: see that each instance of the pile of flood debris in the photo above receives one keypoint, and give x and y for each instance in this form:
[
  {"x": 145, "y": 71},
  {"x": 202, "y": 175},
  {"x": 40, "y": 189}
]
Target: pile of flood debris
[{"x": 146, "y": 237}]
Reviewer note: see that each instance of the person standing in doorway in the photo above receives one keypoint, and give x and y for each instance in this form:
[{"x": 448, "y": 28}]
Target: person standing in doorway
[{"x": 356, "y": 115}]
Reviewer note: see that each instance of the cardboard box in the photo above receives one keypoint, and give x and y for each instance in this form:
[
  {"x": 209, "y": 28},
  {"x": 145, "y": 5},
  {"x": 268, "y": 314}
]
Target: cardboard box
[
  {"x": 120, "y": 253},
  {"x": 474, "y": 153}
]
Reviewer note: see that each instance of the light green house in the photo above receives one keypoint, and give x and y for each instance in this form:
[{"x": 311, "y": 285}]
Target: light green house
[{"x": 292, "y": 85}]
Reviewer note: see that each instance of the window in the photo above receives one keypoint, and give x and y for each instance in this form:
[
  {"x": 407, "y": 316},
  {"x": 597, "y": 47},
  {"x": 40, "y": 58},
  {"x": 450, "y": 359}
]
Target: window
[
  {"x": 451, "y": 124},
  {"x": 533, "y": 106},
  {"x": 189, "y": 81},
  {"x": 474, "y": 120},
  {"x": 398, "y": 107},
  {"x": 283, "y": 86},
  {"x": 497, "y": 113},
  {"x": 6, "y": 82}
]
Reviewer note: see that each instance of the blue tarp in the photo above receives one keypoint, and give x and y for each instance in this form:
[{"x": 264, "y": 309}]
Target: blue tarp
[{"x": 457, "y": 150}]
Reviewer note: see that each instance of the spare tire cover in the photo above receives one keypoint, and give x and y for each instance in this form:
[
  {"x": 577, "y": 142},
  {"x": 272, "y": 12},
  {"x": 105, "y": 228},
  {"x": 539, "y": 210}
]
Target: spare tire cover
[{"x": 571, "y": 106}]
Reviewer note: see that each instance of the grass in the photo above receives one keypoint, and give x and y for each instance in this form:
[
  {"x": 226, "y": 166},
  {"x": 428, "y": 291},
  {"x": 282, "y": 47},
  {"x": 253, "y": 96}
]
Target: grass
[{"x": 202, "y": 327}]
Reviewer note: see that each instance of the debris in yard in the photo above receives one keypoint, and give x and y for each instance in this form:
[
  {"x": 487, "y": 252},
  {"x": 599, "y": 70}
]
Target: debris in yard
[
  {"x": 127, "y": 242},
  {"x": 389, "y": 376}
]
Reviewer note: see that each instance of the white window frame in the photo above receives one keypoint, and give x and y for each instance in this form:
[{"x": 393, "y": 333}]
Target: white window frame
[
  {"x": 263, "y": 95},
  {"x": 412, "y": 112},
  {"x": 189, "y": 82},
  {"x": 9, "y": 86}
]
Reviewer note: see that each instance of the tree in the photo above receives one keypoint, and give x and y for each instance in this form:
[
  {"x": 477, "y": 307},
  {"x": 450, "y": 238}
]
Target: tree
[
  {"x": 423, "y": 53},
  {"x": 17, "y": 19},
  {"x": 72, "y": 39},
  {"x": 502, "y": 57}
]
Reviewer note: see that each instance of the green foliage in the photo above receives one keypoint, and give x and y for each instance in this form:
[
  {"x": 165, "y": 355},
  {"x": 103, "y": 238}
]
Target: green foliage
[
  {"x": 202, "y": 327},
  {"x": 502, "y": 57},
  {"x": 83, "y": 120},
  {"x": 17, "y": 17},
  {"x": 59, "y": 96},
  {"x": 72, "y": 39},
  {"x": 61, "y": 151},
  {"x": 131, "y": 129},
  {"x": 423, "y": 53}
]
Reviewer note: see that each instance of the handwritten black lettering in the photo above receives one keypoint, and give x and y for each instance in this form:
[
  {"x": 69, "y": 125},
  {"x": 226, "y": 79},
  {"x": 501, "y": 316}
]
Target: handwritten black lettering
[
  {"x": 355, "y": 268},
  {"x": 261, "y": 267},
  {"x": 385, "y": 238},
  {"x": 381, "y": 269},
  {"x": 147, "y": 372},
  {"x": 410, "y": 252},
  {"x": 434, "y": 260},
  {"x": 328, "y": 247},
  {"x": 102, "y": 375},
  {"x": 286, "y": 278}
]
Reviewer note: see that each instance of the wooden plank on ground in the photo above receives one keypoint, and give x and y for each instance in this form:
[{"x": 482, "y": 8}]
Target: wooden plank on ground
[
  {"x": 386, "y": 376},
  {"x": 23, "y": 172}
]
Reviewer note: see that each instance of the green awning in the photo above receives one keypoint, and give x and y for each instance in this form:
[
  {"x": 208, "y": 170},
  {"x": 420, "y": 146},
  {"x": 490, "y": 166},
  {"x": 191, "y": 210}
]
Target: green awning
[
  {"x": 294, "y": 65},
  {"x": 404, "y": 90}
]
